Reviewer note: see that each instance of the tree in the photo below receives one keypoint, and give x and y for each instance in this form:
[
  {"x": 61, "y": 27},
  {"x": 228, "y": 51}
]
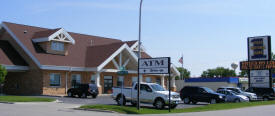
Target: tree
[
  {"x": 218, "y": 72},
  {"x": 184, "y": 73},
  {"x": 243, "y": 73},
  {"x": 3, "y": 73}
]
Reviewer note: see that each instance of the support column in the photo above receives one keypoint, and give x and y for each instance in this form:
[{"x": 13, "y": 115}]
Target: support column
[
  {"x": 140, "y": 79},
  {"x": 162, "y": 81},
  {"x": 97, "y": 82},
  {"x": 173, "y": 83}
]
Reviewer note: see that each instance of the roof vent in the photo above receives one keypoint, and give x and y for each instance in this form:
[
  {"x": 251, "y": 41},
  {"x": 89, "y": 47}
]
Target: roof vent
[{"x": 25, "y": 31}]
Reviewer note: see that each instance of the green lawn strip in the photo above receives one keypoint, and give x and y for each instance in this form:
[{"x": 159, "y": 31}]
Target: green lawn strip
[
  {"x": 24, "y": 99},
  {"x": 211, "y": 107}
]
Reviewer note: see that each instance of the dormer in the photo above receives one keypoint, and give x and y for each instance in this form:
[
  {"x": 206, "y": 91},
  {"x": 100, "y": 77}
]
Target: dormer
[{"x": 55, "y": 41}]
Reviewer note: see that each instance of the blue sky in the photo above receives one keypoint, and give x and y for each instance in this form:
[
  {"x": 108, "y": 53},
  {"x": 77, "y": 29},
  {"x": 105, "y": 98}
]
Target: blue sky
[{"x": 209, "y": 33}]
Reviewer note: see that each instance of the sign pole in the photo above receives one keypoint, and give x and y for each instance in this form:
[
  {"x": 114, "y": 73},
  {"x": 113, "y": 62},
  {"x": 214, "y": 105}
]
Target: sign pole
[
  {"x": 169, "y": 64},
  {"x": 139, "y": 55}
]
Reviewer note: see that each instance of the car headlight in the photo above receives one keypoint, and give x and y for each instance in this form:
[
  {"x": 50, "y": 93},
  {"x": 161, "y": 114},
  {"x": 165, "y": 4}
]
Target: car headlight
[{"x": 220, "y": 97}]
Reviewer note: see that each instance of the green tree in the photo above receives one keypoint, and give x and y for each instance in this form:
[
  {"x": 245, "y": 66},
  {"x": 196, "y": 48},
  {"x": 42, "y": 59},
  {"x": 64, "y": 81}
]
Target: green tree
[
  {"x": 184, "y": 73},
  {"x": 218, "y": 72},
  {"x": 243, "y": 73},
  {"x": 3, "y": 73}
]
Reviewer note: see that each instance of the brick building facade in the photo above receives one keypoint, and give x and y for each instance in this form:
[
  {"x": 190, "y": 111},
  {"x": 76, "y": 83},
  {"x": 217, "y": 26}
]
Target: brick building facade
[{"x": 48, "y": 61}]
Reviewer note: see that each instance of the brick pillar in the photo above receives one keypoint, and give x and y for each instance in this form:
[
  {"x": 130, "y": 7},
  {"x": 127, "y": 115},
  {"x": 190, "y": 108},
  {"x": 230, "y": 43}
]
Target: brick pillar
[{"x": 162, "y": 81}]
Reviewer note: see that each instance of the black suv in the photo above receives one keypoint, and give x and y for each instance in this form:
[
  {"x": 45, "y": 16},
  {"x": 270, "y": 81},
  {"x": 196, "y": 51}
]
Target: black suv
[
  {"x": 264, "y": 93},
  {"x": 83, "y": 90},
  {"x": 196, "y": 94}
]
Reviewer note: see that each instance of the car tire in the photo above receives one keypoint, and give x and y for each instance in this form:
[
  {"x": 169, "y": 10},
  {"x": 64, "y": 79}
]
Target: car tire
[
  {"x": 237, "y": 100},
  {"x": 94, "y": 96},
  {"x": 174, "y": 106},
  {"x": 265, "y": 98},
  {"x": 70, "y": 94},
  {"x": 84, "y": 95},
  {"x": 119, "y": 102},
  {"x": 194, "y": 102},
  {"x": 213, "y": 101},
  {"x": 159, "y": 104},
  {"x": 133, "y": 103},
  {"x": 186, "y": 100}
]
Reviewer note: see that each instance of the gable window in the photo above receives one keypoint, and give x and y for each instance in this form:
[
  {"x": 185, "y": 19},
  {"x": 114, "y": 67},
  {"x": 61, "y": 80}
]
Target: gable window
[
  {"x": 76, "y": 79},
  {"x": 55, "y": 79},
  {"x": 57, "y": 46}
]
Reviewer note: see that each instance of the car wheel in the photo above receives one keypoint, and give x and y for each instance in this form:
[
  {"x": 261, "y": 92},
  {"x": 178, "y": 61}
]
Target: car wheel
[
  {"x": 70, "y": 94},
  {"x": 237, "y": 101},
  {"x": 134, "y": 103},
  {"x": 194, "y": 102},
  {"x": 174, "y": 106},
  {"x": 84, "y": 95},
  {"x": 186, "y": 100},
  {"x": 265, "y": 98},
  {"x": 213, "y": 101},
  {"x": 159, "y": 104},
  {"x": 94, "y": 96},
  {"x": 120, "y": 100}
]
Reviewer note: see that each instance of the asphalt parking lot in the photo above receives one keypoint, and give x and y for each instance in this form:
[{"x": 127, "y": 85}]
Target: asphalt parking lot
[{"x": 107, "y": 100}]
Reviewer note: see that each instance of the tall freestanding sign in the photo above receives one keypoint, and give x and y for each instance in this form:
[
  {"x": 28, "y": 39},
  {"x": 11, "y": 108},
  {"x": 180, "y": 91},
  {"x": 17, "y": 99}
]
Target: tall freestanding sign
[
  {"x": 156, "y": 66},
  {"x": 259, "y": 62}
]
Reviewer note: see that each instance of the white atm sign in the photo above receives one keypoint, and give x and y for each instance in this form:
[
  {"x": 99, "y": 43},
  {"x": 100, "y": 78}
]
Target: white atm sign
[{"x": 154, "y": 65}]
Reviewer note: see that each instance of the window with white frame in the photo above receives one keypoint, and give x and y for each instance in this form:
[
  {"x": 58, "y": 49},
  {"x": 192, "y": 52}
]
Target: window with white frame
[
  {"x": 57, "y": 46},
  {"x": 55, "y": 79},
  {"x": 93, "y": 79},
  {"x": 148, "y": 80},
  {"x": 134, "y": 80},
  {"x": 76, "y": 79},
  {"x": 158, "y": 81},
  {"x": 120, "y": 81}
]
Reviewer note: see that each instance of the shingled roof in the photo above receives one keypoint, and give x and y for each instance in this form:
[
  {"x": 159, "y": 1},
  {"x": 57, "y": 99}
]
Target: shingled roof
[{"x": 82, "y": 54}]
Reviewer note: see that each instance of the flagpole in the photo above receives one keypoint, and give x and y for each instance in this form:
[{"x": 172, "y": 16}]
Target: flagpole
[{"x": 182, "y": 68}]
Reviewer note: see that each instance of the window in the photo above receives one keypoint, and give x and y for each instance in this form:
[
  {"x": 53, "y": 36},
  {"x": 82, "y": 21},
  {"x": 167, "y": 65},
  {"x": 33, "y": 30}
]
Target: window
[
  {"x": 158, "y": 81},
  {"x": 55, "y": 79},
  {"x": 120, "y": 81},
  {"x": 134, "y": 80},
  {"x": 76, "y": 79},
  {"x": 148, "y": 80},
  {"x": 57, "y": 46},
  {"x": 93, "y": 79}
]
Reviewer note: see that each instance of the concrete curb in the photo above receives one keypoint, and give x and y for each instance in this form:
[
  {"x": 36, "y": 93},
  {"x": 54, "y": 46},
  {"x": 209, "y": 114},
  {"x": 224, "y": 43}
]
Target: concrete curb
[
  {"x": 7, "y": 102},
  {"x": 96, "y": 110}
]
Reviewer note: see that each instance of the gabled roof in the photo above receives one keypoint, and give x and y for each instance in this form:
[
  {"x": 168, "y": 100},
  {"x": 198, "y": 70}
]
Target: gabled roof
[
  {"x": 9, "y": 56},
  {"x": 82, "y": 54}
]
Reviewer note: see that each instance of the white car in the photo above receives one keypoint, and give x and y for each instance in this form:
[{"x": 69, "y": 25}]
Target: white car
[
  {"x": 251, "y": 96},
  {"x": 150, "y": 93}
]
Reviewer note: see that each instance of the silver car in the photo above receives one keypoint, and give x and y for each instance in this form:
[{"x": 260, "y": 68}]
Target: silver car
[
  {"x": 232, "y": 96},
  {"x": 251, "y": 96}
]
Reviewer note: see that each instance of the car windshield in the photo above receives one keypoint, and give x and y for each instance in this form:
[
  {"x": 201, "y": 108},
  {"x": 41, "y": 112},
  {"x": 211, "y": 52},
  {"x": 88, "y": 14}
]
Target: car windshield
[
  {"x": 157, "y": 87},
  {"x": 234, "y": 93},
  {"x": 235, "y": 90},
  {"x": 208, "y": 90}
]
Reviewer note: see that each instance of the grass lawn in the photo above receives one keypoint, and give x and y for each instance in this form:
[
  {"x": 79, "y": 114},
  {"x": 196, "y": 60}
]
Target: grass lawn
[
  {"x": 24, "y": 99},
  {"x": 211, "y": 107}
]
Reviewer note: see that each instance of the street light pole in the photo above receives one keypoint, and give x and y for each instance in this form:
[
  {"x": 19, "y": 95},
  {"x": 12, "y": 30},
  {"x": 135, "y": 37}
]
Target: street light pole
[{"x": 139, "y": 55}]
